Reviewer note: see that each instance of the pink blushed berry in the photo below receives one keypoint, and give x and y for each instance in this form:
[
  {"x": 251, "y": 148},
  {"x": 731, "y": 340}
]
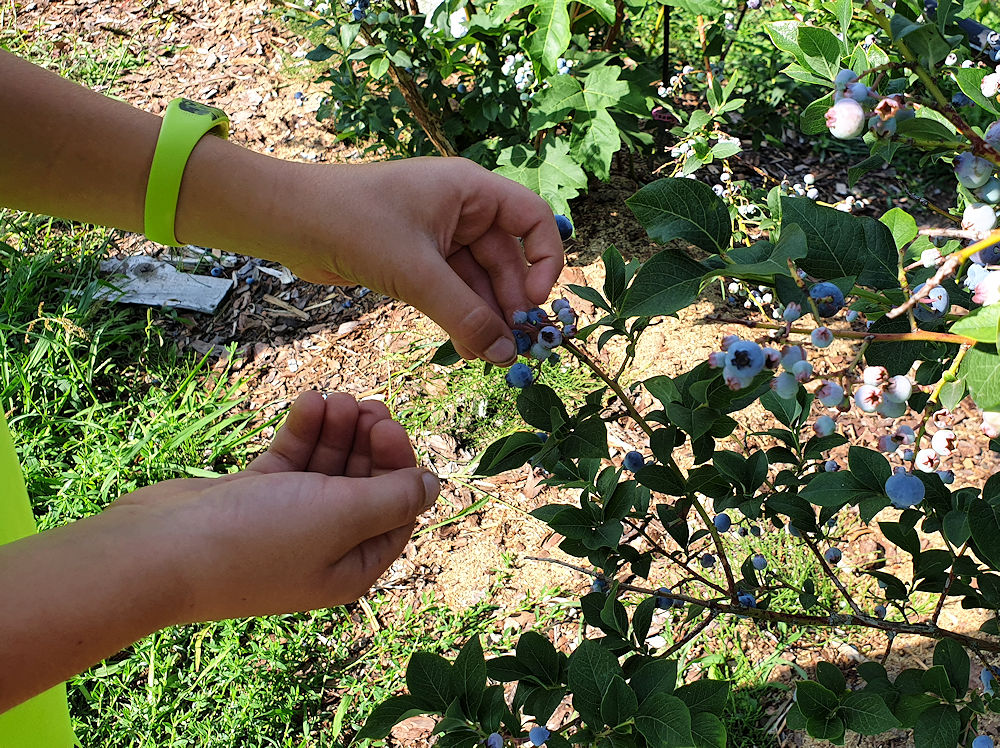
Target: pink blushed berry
[
  {"x": 988, "y": 289},
  {"x": 821, "y": 337},
  {"x": 875, "y": 375},
  {"x": 905, "y": 435},
  {"x": 791, "y": 355},
  {"x": 772, "y": 358},
  {"x": 944, "y": 442},
  {"x": 991, "y": 424},
  {"x": 887, "y": 443},
  {"x": 926, "y": 460},
  {"x": 728, "y": 341},
  {"x": 717, "y": 359},
  {"x": 845, "y": 119}
]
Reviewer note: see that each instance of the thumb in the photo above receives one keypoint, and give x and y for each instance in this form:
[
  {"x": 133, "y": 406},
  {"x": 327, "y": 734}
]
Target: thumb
[
  {"x": 367, "y": 507},
  {"x": 468, "y": 319}
]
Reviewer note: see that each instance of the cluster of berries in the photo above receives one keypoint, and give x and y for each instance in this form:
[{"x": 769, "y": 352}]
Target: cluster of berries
[
  {"x": 848, "y": 118},
  {"x": 524, "y": 73},
  {"x": 805, "y": 188},
  {"x": 359, "y": 9},
  {"x": 761, "y": 297}
]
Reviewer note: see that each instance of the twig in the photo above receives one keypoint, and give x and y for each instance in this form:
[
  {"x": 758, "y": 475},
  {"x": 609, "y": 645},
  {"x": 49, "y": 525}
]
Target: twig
[
  {"x": 942, "y": 337},
  {"x": 833, "y": 577}
]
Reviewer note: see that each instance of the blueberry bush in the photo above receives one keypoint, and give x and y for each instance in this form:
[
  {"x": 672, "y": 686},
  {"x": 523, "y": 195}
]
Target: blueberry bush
[{"x": 547, "y": 93}]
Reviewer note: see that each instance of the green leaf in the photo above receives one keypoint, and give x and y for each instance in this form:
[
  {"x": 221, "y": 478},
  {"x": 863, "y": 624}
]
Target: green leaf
[
  {"x": 665, "y": 284},
  {"x": 379, "y": 67},
  {"x": 827, "y": 727},
  {"x": 661, "y": 479},
  {"x": 982, "y": 324},
  {"x": 595, "y": 139},
  {"x": 446, "y": 355},
  {"x": 984, "y": 519},
  {"x": 619, "y": 702},
  {"x": 704, "y": 695},
  {"x": 834, "y": 490},
  {"x": 870, "y": 468},
  {"x": 938, "y": 727},
  {"x": 764, "y": 259},
  {"x": 901, "y": 225},
  {"x": 536, "y": 403},
  {"x": 665, "y": 722},
  {"x": 320, "y": 53},
  {"x": 955, "y": 660},
  {"x": 866, "y": 714},
  {"x": 538, "y": 655},
  {"x": 708, "y": 731},
  {"x": 591, "y": 670},
  {"x": 829, "y": 676},
  {"x": 387, "y": 715},
  {"x": 553, "y": 174},
  {"x": 615, "y": 274},
  {"x": 821, "y": 51},
  {"x": 430, "y": 681},
  {"x": 970, "y": 81},
  {"x": 470, "y": 673},
  {"x": 508, "y": 453},
  {"x": 815, "y": 700},
  {"x": 677, "y": 208},
  {"x": 812, "y": 121},
  {"x": 656, "y": 676}
]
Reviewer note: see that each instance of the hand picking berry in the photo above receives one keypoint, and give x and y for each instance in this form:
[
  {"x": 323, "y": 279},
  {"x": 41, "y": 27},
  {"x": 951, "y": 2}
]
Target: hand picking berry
[
  {"x": 829, "y": 299},
  {"x": 634, "y": 461}
]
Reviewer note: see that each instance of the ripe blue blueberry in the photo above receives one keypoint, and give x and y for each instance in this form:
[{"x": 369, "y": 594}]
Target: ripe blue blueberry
[
  {"x": 537, "y": 316},
  {"x": 519, "y": 317},
  {"x": 932, "y": 304},
  {"x": 519, "y": 375},
  {"x": 216, "y": 271},
  {"x": 723, "y": 522},
  {"x": 759, "y": 562},
  {"x": 707, "y": 561},
  {"x": 755, "y": 531},
  {"x": 745, "y": 358},
  {"x": 746, "y": 600},
  {"x": 600, "y": 585},
  {"x": 538, "y": 735},
  {"x": 831, "y": 466},
  {"x": 904, "y": 490},
  {"x": 494, "y": 740},
  {"x": 833, "y": 555},
  {"x": 565, "y": 227},
  {"x": 358, "y": 15},
  {"x": 971, "y": 171},
  {"x": 829, "y": 299},
  {"x": 947, "y": 476},
  {"x": 560, "y": 304},
  {"x": 542, "y": 436},
  {"x": 523, "y": 342},
  {"x": 982, "y": 741},
  {"x": 550, "y": 337},
  {"x": 461, "y": 88},
  {"x": 663, "y": 600},
  {"x": 986, "y": 677},
  {"x": 566, "y": 315},
  {"x": 633, "y": 461},
  {"x": 880, "y": 611},
  {"x": 540, "y": 352},
  {"x": 298, "y": 94},
  {"x": 852, "y": 315}
]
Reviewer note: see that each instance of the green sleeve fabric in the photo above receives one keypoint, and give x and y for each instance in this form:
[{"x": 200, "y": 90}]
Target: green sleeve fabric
[{"x": 41, "y": 722}]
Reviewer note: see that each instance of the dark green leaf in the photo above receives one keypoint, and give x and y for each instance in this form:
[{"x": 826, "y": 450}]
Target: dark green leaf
[
  {"x": 981, "y": 371},
  {"x": 470, "y": 673},
  {"x": 938, "y": 727},
  {"x": 619, "y": 702},
  {"x": 446, "y": 355},
  {"x": 665, "y": 284},
  {"x": 591, "y": 670},
  {"x": 430, "y": 680},
  {"x": 984, "y": 519},
  {"x": 708, "y": 731},
  {"x": 829, "y": 676},
  {"x": 387, "y": 715},
  {"x": 704, "y": 695},
  {"x": 657, "y": 676},
  {"x": 508, "y": 453},
  {"x": 664, "y": 721},
  {"x": 677, "y": 208},
  {"x": 870, "y": 468},
  {"x": 538, "y": 655},
  {"x": 536, "y": 403},
  {"x": 815, "y": 700},
  {"x": 955, "y": 660}
]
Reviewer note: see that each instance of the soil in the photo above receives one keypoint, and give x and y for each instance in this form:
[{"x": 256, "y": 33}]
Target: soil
[{"x": 293, "y": 336}]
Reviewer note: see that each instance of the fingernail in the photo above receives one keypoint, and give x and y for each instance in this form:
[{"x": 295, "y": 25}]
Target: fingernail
[
  {"x": 502, "y": 351},
  {"x": 432, "y": 487}
]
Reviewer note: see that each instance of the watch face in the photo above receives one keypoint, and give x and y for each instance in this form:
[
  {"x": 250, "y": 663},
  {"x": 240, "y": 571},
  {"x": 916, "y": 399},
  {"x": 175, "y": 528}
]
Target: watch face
[{"x": 193, "y": 107}]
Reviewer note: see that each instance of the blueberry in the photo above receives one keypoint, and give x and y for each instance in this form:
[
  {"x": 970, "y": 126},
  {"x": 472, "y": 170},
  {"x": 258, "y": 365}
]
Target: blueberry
[
  {"x": 538, "y": 735},
  {"x": 971, "y": 171},
  {"x": 559, "y": 304},
  {"x": 846, "y": 119},
  {"x": 519, "y": 375},
  {"x": 723, "y": 522},
  {"x": 707, "y": 561},
  {"x": 794, "y": 531},
  {"x": 821, "y": 337},
  {"x": 759, "y": 562},
  {"x": 785, "y": 385},
  {"x": 824, "y": 426},
  {"x": 829, "y": 299},
  {"x": 542, "y": 436},
  {"x": 932, "y": 304},
  {"x": 663, "y": 601},
  {"x": 522, "y": 341},
  {"x": 494, "y": 740},
  {"x": 566, "y": 315},
  {"x": 904, "y": 490},
  {"x": 633, "y": 461},
  {"x": 982, "y": 741},
  {"x": 745, "y": 358},
  {"x": 251, "y": 280},
  {"x": 540, "y": 352},
  {"x": 898, "y": 389},
  {"x": 746, "y": 600},
  {"x": 755, "y": 531},
  {"x": 519, "y": 317},
  {"x": 986, "y": 677},
  {"x": 880, "y": 611},
  {"x": 537, "y": 316},
  {"x": 359, "y": 15},
  {"x": 830, "y": 394},
  {"x": 792, "y": 312},
  {"x": 565, "y": 227},
  {"x": 461, "y": 88},
  {"x": 298, "y": 94},
  {"x": 833, "y": 555},
  {"x": 831, "y": 466},
  {"x": 550, "y": 337},
  {"x": 216, "y": 271},
  {"x": 600, "y": 585},
  {"x": 868, "y": 397}
]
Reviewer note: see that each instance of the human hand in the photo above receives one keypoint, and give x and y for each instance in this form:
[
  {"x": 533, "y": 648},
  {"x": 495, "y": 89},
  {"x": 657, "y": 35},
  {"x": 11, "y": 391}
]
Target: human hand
[
  {"x": 311, "y": 523},
  {"x": 438, "y": 233}
]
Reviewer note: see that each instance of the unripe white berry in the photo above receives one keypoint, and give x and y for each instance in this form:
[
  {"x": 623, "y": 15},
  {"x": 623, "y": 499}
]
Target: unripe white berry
[{"x": 846, "y": 119}]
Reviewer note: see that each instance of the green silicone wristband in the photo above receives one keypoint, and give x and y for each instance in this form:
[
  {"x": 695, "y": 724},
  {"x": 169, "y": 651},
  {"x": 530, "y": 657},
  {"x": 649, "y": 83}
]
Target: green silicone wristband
[{"x": 184, "y": 123}]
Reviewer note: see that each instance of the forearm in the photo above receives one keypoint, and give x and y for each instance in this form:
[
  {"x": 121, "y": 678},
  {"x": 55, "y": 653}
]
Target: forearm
[
  {"x": 72, "y": 596},
  {"x": 69, "y": 152}
]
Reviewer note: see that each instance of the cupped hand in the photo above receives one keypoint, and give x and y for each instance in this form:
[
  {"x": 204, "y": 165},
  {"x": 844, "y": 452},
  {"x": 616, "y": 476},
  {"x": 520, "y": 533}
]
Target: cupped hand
[
  {"x": 464, "y": 245},
  {"x": 311, "y": 523}
]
